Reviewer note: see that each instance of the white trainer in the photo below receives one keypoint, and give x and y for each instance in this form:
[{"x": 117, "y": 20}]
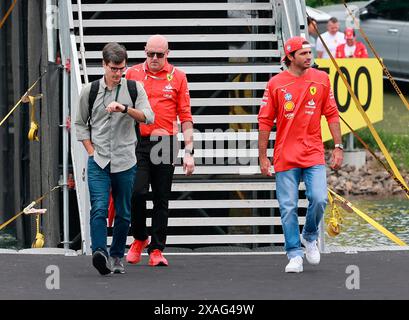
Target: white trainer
[
  {"x": 311, "y": 251},
  {"x": 295, "y": 265}
]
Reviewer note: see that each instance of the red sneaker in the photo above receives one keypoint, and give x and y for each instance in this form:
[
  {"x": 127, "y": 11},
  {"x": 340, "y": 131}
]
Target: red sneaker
[
  {"x": 134, "y": 253},
  {"x": 157, "y": 259}
]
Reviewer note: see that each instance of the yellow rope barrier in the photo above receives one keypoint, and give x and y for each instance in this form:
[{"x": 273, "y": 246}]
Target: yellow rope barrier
[
  {"x": 349, "y": 207},
  {"x": 7, "y": 13},
  {"x": 385, "y": 69},
  {"x": 25, "y": 95},
  {"x": 27, "y": 210},
  {"x": 365, "y": 117}
]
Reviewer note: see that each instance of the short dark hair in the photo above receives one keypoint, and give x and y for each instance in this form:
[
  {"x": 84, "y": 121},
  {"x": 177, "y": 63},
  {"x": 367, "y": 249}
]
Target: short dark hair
[
  {"x": 115, "y": 53},
  {"x": 287, "y": 61},
  {"x": 333, "y": 20}
]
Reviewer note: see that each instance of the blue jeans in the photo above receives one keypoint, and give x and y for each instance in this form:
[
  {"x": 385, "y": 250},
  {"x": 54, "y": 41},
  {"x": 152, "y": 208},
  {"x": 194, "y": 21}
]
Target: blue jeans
[
  {"x": 100, "y": 182},
  {"x": 287, "y": 194}
]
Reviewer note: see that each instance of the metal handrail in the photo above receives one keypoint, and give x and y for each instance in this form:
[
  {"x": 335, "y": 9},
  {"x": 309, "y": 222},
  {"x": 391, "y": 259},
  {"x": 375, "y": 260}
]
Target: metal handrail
[
  {"x": 72, "y": 86},
  {"x": 82, "y": 47}
]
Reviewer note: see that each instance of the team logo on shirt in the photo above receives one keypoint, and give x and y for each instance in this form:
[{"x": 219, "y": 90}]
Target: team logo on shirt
[
  {"x": 289, "y": 106},
  {"x": 288, "y": 97},
  {"x": 313, "y": 90},
  {"x": 169, "y": 76}
]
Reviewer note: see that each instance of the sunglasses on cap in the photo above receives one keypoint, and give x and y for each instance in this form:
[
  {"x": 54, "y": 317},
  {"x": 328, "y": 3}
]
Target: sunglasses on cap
[{"x": 159, "y": 55}]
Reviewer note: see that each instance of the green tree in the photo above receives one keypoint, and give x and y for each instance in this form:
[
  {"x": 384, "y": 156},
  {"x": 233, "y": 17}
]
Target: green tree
[{"x": 319, "y": 3}]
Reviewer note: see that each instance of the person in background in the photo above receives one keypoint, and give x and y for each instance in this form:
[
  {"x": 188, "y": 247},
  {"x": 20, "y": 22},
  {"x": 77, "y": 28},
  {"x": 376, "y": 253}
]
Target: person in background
[
  {"x": 312, "y": 27},
  {"x": 352, "y": 48},
  {"x": 332, "y": 38}
]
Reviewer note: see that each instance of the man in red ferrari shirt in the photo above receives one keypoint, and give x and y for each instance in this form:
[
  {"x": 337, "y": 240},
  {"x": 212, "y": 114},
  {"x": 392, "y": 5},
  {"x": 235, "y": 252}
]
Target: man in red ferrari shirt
[
  {"x": 296, "y": 99},
  {"x": 352, "y": 48},
  {"x": 168, "y": 94}
]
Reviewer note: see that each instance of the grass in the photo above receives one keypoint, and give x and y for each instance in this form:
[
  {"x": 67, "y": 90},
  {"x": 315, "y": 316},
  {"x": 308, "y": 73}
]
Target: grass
[
  {"x": 320, "y": 3},
  {"x": 396, "y": 144}
]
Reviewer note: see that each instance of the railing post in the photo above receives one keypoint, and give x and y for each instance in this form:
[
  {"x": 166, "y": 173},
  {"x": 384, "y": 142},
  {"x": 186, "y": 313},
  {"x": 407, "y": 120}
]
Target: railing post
[{"x": 82, "y": 47}]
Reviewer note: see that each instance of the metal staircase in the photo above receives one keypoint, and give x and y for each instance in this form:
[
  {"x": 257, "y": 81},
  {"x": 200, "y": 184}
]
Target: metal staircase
[{"x": 229, "y": 50}]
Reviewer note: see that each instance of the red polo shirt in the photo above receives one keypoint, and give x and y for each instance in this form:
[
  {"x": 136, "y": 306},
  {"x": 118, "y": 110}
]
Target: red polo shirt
[
  {"x": 360, "y": 51},
  {"x": 168, "y": 96},
  {"x": 297, "y": 104}
]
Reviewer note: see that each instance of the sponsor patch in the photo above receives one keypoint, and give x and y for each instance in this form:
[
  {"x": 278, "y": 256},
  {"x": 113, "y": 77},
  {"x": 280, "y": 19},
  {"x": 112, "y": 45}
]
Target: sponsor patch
[
  {"x": 310, "y": 104},
  {"x": 288, "y": 96},
  {"x": 168, "y": 88},
  {"x": 289, "y": 106}
]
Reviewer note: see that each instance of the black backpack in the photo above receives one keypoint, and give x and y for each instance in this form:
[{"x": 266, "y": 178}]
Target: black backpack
[{"x": 133, "y": 92}]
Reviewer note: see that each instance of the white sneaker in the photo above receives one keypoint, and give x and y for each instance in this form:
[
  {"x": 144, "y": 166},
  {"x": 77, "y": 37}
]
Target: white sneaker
[
  {"x": 295, "y": 265},
  {"x": 311, "y": 251}
]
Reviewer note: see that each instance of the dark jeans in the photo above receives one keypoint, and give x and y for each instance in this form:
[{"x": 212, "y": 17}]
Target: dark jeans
[
  {"x": 155, "y": 168},
  {"x": 100, "y": 181}
]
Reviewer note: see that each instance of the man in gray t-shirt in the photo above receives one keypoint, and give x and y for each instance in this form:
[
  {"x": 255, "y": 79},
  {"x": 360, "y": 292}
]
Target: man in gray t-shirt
[{"x": 109, "y": 137}]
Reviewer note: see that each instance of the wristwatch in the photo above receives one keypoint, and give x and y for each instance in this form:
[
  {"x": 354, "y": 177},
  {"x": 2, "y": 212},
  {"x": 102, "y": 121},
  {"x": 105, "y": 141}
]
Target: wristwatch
[
  {"x": 191, "y": 152},
  {"x": 339, "y": 146},
  {"x": 126, "y": 108}
]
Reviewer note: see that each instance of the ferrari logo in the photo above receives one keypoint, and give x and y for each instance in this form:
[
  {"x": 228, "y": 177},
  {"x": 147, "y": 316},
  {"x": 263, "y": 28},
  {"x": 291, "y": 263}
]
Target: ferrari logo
[
  {"x": 169, "y": 76},
  {"x": 313, "y": 90}
]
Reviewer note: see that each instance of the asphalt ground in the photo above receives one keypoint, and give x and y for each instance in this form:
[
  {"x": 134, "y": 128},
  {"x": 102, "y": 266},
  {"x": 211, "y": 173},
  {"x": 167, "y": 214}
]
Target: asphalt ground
[{"x": 364, "y": 275}]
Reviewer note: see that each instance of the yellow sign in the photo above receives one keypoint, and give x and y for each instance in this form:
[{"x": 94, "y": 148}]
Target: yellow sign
[{"x": 365, "y": 78}]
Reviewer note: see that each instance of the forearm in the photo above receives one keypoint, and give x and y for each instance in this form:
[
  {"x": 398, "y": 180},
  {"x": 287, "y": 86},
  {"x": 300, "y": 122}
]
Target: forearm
[
  {"x": 88, "y": 146},
  {"x": 335, "y": 129},
  {"x": 136, "y": 114},
  {"x": 187, "y": 129},
  {"x": 263, "y": 137}
]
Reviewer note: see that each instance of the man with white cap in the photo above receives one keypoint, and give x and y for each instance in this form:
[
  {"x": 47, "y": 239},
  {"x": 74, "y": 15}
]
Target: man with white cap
[
  {"x": 296, "y": 99},
  {"x": 332, "y": 38}
]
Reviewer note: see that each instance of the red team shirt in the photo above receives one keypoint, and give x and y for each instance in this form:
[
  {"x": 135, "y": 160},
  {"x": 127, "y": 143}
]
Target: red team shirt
[
  {"x": 360, "y": 51},
  {"x": 168, "y": 96},
  {"x": 297, "y": 103}
]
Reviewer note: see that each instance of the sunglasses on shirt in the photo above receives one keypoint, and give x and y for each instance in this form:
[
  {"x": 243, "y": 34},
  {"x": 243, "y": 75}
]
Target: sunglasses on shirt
[{"x": 159, "y": 55}]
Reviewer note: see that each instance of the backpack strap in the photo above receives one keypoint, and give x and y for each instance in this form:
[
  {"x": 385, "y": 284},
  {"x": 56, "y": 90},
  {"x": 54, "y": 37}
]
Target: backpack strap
[
  {"x": 133, "y": 92},
  {"x": 91, "y": 99}
]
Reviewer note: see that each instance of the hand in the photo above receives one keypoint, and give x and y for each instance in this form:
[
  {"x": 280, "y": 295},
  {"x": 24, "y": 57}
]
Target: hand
[
  {"x": 336, "y": 158},
  {"x": 265, "y": 166},
  {"x": 188, "y": 164},
  {"x": 115, "y": 107}
]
